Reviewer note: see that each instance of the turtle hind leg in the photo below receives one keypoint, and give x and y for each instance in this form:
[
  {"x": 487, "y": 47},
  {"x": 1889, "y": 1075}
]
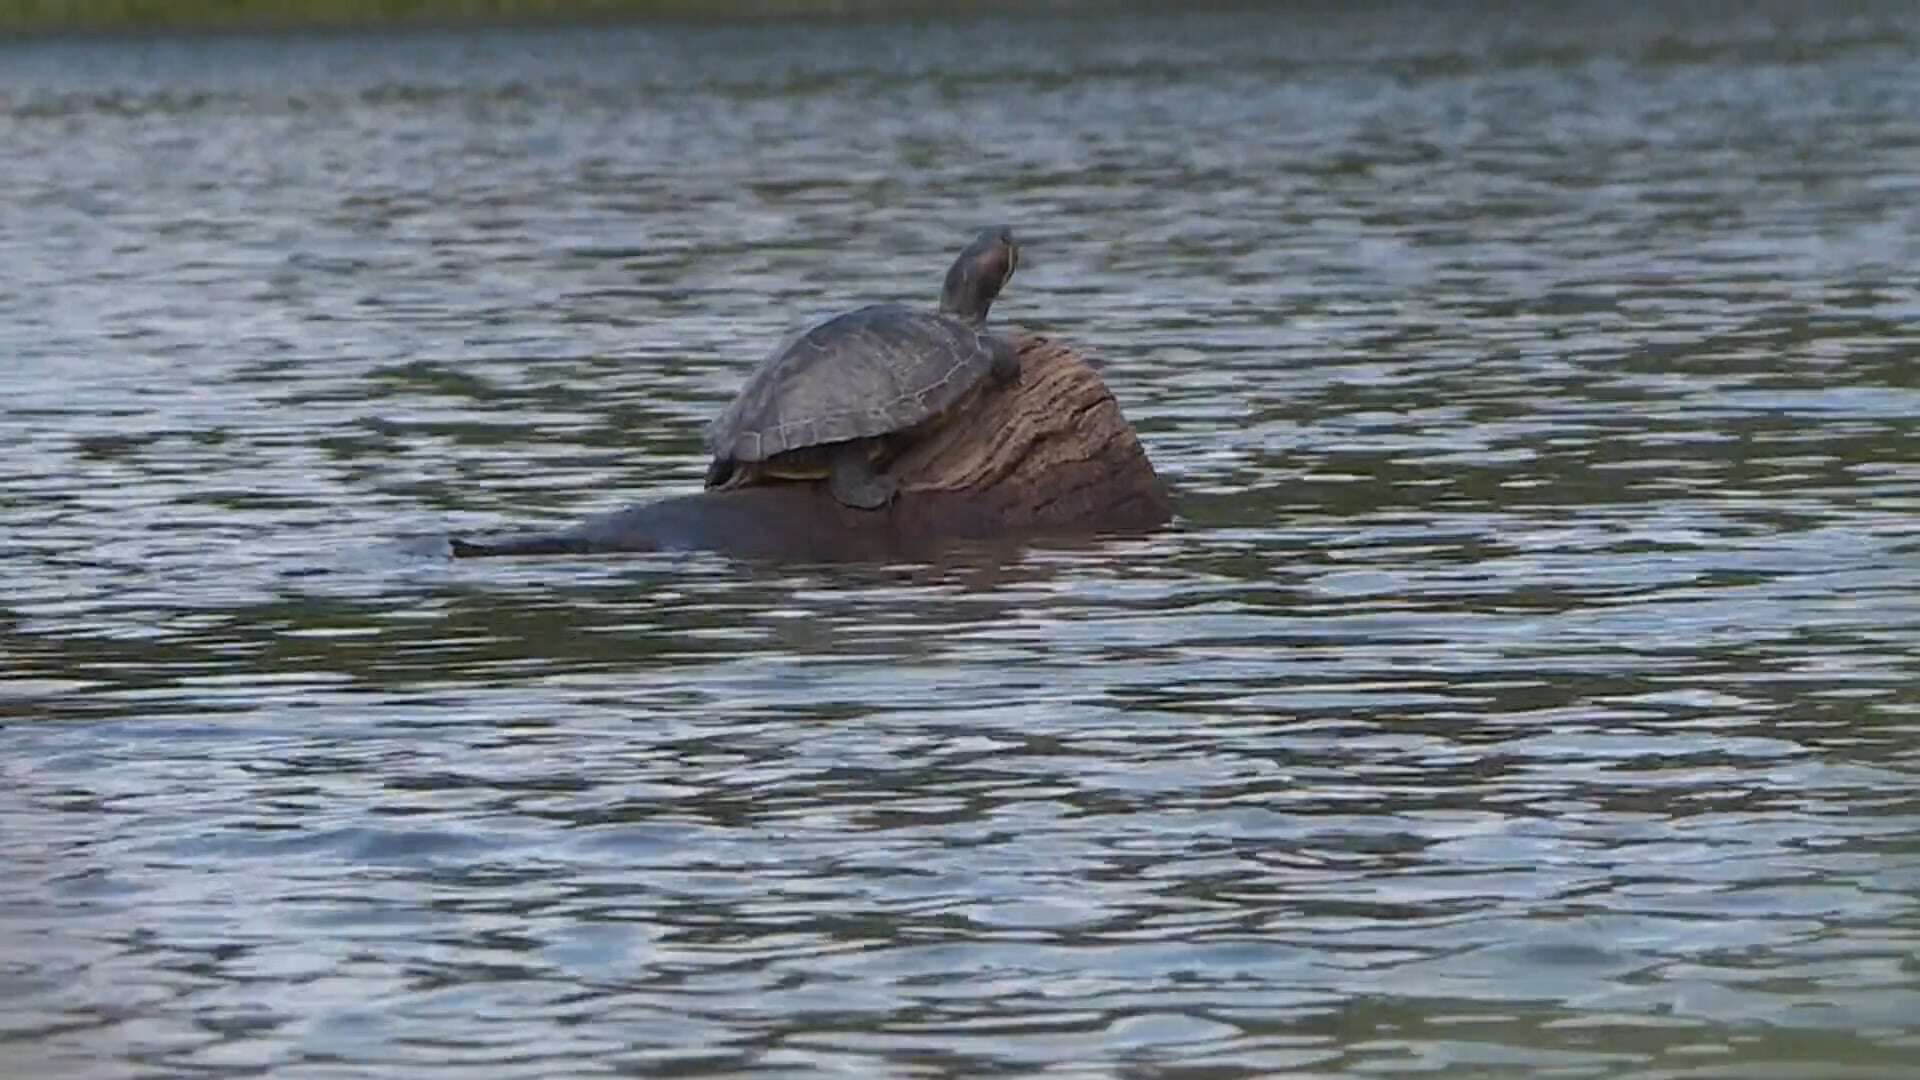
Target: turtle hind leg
[
  {"x": 719, "y": 472},
  {"x": 1006, "y": 360},
  {"x": 853, "y": 481}
]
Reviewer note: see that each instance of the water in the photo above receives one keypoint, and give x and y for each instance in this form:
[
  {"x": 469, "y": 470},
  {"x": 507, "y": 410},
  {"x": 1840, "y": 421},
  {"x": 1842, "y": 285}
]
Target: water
[{"x": 1527, "y": 688}]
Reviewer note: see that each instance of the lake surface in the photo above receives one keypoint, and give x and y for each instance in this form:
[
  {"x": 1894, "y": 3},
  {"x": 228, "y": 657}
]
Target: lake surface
[{"x": 1529, "y": 686}]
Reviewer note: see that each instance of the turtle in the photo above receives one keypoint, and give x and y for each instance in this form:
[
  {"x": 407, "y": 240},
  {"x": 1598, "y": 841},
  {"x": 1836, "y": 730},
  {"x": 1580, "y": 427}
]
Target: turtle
[{"x": 833, "y": 399}]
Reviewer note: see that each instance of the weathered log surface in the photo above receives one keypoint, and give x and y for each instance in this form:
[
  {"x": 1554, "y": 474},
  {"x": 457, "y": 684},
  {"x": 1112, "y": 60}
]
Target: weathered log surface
[{"x": 1050, "y": 454}]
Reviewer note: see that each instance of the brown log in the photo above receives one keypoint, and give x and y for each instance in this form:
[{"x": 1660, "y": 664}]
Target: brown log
[{"x": 1048, "y": 455}]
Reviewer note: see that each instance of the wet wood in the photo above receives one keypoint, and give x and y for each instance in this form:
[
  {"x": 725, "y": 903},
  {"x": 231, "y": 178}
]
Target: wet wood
[{"x": 1048, "y": 455}]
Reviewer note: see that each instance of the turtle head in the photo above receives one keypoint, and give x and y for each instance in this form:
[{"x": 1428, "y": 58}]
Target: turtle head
[{"x": 979, "y": 274}]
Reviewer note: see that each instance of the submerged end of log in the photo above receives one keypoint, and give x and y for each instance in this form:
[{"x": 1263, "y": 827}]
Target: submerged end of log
[{"x": 1049, "y": 454}]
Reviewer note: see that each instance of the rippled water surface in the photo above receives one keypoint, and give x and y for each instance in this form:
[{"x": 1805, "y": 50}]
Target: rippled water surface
[{"x": 1528, "y": 686}]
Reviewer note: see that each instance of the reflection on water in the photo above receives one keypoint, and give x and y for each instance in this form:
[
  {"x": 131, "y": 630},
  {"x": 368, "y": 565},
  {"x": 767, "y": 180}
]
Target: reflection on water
[{"x": 1527, "y": 688}]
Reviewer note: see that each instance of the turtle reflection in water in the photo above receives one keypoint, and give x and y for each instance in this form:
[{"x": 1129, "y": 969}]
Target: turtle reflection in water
[{"x": 826, "y": 402}]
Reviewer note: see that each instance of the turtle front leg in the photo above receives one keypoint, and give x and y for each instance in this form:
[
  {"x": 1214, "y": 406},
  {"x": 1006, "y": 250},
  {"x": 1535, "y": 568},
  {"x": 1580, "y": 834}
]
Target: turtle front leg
[
  {"x": 854, "y": 482},
  {"x": 1006, "y": 360},
  {"x": 719, "y": 472}
]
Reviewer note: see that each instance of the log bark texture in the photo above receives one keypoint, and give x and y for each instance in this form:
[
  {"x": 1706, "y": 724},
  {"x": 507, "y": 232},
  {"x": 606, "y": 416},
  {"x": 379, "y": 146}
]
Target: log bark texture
[{"x": 1048, "y": 455}]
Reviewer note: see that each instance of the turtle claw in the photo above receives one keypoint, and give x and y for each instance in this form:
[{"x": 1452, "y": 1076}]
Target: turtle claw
[
  {"x": 872, "y": 494},
  {"x": 854, "y": 482},
  {"x": 1006, "y": 362}
]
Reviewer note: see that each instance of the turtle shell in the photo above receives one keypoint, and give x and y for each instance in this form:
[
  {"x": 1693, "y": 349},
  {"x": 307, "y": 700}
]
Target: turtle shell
[{"x": 871, "y": 371}]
